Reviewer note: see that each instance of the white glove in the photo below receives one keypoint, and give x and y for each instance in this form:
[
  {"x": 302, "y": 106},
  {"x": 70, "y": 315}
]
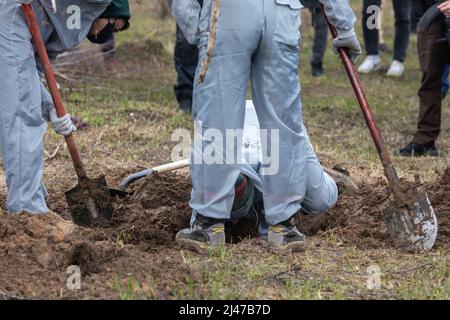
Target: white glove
[
  {"x": 62, "y": 126},
  {"x": 348, "y": 40}
]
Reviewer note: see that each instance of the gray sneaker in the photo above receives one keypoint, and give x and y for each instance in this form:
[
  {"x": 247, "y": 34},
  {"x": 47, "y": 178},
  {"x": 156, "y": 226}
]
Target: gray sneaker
[
  {"x": 285, "y": 237},
  {"x": 205, "y": 234}
]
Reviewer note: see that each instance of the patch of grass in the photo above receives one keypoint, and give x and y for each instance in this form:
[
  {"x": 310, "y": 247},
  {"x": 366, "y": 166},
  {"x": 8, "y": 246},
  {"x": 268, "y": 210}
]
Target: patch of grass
[{"x": 130, "y": 288}]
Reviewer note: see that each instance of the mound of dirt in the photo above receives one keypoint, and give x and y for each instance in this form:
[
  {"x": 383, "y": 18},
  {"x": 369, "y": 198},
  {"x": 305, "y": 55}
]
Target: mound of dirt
[
  {"x": 358, "y": 218},
  {"x": 157, "y": 209},
  {"x": 40, "y": 248},
  {"x": 35, "y": 251},
  {"x": 439, "y": 193}
]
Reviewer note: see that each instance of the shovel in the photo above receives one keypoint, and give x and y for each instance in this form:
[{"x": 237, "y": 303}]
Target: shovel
[
  {"x": 90, "y": 201},
  {"x": 410, "y": 219},
  {"x": 145, "y": 173}
]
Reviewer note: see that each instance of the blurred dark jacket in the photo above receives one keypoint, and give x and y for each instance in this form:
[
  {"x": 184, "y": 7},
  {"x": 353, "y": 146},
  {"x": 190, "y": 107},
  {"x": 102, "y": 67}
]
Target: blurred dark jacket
[
  {"x": 421, "y": 6},
  {"x": 310, "y": 3}
]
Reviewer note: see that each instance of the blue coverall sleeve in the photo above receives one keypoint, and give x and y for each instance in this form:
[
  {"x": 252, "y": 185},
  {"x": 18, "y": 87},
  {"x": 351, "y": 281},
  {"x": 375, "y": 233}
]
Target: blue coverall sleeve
[
  {"x": 340, "y": 14},
  {"x": 187, "y": 15},
  {"x": 47, "y": 102},
  {"x": 57, "y": 34}
]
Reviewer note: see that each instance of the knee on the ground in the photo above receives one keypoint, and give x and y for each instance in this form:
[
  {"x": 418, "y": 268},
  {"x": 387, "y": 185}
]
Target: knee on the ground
[{"x": 321, "y": 199}]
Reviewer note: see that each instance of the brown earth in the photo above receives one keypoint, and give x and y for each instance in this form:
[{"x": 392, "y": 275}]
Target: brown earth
[{"x": 140, "y": 239}]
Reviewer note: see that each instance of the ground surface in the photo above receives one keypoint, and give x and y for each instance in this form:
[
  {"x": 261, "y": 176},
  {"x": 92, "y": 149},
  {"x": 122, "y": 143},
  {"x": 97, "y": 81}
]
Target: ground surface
[{"x": 132, "y": 113}]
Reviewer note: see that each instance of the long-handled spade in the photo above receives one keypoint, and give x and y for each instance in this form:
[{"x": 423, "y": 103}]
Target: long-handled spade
[
  {"x": 90, "y": 201},
  {"x": 148, "y": 172},
  {"x": 411, "y": 220}
]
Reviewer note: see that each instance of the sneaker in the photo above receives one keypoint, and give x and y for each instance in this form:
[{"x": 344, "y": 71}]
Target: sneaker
[
  {"x": 285, "y": 237},
  {"x": 396, "y": 69},
  {"x": 317, "y": 70},
  {"x": 371, "y": 64},
  {"x": 418, "y": 150},
  {"x": 205, "y": 234}
]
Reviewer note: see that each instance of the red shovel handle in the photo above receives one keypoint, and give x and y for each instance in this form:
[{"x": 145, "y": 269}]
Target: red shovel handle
[
  {"x": 51, "y": 81},
  {"x": 389, "y": 169}
]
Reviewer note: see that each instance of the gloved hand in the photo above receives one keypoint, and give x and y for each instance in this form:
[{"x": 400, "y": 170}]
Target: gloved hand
[
  {"x": 445, "y": 8},
  {"x": 62, "y": 126},
  {"x": 347, "y": 39}
]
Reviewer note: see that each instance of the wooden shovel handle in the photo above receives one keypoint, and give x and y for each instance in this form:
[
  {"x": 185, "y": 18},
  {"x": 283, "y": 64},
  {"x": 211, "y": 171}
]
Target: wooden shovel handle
[
  {"x": 389, "y": 169},
  {"x": 51, "y": 81},
  {"x": 171, "y": 166}
]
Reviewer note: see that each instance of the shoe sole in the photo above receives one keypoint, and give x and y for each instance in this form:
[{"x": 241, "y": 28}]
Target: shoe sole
[
  {"x": 196, "y": 246},
  {"x": 192, "y": 245},
  {"x": 370, "y": 71},
  {"x": 288, "y": 248},
  {"x": 391, "y": 75}
]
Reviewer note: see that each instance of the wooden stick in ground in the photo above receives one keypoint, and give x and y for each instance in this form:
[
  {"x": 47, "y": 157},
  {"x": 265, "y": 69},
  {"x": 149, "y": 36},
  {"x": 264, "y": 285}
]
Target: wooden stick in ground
[{"x": 212, "y": 39}]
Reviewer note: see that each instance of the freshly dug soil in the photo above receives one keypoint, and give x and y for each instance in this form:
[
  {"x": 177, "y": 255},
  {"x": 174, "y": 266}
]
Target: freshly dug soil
[
  {"x": 439, "y": 193},
  {"x": 33, "y": 262},
  {"x": 358, "y": 217},
  {"x": 35, "y": 251}
]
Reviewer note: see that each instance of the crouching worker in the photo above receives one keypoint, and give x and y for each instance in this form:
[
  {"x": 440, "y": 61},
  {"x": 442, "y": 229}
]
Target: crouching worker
[
  {"x": 256, "y": 41},
  {"x": 25, "y": 104},
  {"x": 320, "y": 195}
]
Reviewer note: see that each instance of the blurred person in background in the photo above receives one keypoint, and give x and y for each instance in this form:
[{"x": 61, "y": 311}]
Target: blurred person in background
[
  {"x": 434, "y": 56},
  {"x": 371, "y": 25},
  {"x": 109, "y": 52},
  {"x": 185, "y": 60},
  {"x": 320, "y": 25}
]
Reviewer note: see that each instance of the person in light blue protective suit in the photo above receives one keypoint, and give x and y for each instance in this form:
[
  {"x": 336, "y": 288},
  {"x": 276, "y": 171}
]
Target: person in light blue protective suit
[
  {"x": 257, "y": 41},
  {"x": 25, "y": 104}
]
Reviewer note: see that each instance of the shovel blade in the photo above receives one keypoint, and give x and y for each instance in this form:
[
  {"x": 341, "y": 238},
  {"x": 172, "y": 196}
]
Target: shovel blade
[
  {"x": 90, "y": 203},
  {"x": 413, "y": 228}
]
